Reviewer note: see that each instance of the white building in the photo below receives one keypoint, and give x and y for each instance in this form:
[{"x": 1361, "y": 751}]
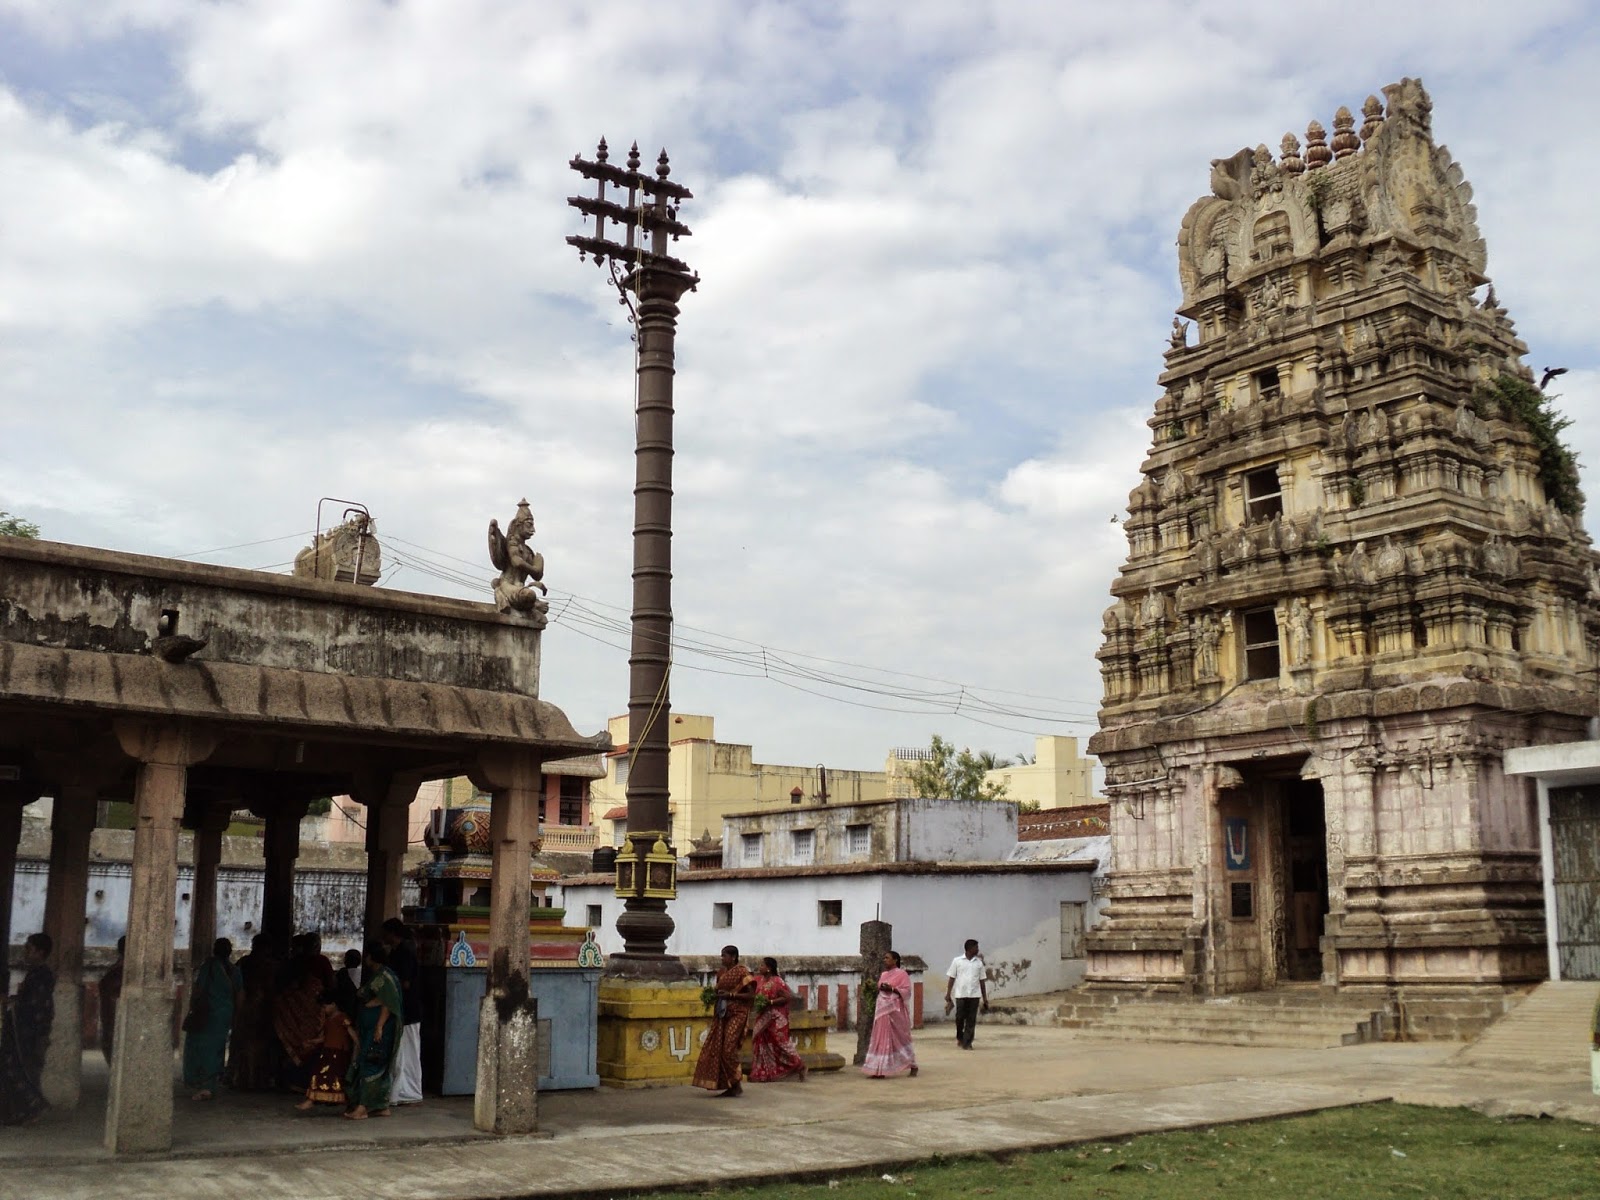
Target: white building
[
  {"x": 1567, "y": 779},
  {"x": 1028, "y": 917},
  {"x": 797, "y": 883}
]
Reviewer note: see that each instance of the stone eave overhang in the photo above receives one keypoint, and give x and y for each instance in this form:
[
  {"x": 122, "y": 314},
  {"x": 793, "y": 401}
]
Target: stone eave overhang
[{"x": 275, "y": 699}]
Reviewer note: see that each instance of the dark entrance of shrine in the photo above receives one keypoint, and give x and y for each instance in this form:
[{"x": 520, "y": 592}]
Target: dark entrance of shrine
[{"x": 1303, "y": 852}]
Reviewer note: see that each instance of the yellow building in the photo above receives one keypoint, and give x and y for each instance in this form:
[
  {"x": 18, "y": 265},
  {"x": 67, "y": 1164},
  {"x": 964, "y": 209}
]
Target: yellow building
[
  {"x": 1057, "y": 777},
  {"x": 708, "y": 779}
]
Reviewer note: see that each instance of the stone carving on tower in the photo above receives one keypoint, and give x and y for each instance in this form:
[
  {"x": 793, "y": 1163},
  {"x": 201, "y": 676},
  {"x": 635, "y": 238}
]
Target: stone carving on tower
[{"x": 1356, "y": 573}]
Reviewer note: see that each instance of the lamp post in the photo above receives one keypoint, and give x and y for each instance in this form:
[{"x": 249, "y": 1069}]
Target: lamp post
[{"x": 644, "y": 210}]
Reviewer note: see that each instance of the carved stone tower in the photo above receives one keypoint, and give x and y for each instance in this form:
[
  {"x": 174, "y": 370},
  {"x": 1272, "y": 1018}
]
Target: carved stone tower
[{"x": 1356, "y": 572}]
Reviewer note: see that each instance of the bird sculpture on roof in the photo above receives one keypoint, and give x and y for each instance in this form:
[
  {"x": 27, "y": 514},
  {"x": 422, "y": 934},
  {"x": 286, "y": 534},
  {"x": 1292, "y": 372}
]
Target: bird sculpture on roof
[{"x": 520, "y": 587}]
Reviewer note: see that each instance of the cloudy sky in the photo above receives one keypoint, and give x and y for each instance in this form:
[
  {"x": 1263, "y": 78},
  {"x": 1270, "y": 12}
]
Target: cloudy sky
[{"x": 260, "y": 252}]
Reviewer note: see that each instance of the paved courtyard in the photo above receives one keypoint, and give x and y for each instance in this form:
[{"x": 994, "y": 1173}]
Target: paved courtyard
[{"x": 1021, "y": 1088}]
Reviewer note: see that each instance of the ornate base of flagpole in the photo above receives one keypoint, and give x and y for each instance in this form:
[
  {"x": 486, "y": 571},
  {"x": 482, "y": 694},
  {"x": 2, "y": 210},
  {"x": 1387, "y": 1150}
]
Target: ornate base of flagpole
[{"x": 645, "y": 927}]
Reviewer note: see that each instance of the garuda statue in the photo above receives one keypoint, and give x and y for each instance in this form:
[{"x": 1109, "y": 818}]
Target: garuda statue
[{"x": 520, "y": 587}]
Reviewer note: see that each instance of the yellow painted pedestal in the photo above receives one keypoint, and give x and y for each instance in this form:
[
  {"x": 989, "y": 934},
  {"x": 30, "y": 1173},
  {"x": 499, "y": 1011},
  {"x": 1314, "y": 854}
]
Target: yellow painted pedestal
[
  {"x": 650, "y": 1034},
  {"x": 809, "y": 1029}
]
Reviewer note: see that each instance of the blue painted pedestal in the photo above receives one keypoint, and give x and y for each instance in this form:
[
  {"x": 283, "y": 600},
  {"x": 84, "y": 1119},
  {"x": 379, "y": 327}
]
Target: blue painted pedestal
[{"x": 567, "y": 999}]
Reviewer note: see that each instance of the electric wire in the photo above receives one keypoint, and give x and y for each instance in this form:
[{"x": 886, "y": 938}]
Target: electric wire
[{"x": 709, "y": 652}]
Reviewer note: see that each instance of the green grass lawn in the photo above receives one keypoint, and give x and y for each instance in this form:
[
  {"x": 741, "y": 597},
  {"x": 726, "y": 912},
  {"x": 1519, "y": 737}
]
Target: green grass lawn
[{"x": 1366, "y": 1153}]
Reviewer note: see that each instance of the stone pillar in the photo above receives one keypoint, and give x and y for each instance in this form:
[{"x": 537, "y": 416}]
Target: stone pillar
[
  {"x": 65, "y": 902},
  {"x": 388, "y": 807},
  {"x": 877, "y": 939},
  {"x": 208, "y": 829},
  {"x": 551, "y": 792},
  {"x": 12, "y": 802},
  {"x": 644, "y": 924},
  {"x": 282, "y": 848},
  {"x": 139, "y": 1109},
  {"x": 508, "y": 1062}
]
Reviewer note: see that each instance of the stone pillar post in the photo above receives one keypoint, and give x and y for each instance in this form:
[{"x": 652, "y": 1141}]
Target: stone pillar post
[
  {"x": 65, "y": 902},
  {"x": 877, "y": 939},
  {"x": 139, "y": 1109},
  {"x": 208, "y": 830},
  {"x": 282, "y": 848},
  {"x": 12, "y": 802},
  {"x": 508, "y": 1026},
  {"x": 388, "y": 807},
  {"x": 551, "y": 793},
  {"x": 644, "y": 924}
]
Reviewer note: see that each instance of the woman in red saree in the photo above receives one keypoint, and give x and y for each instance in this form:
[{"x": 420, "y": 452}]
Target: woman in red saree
[
  {"x": 890, "y": 1051},
  {"x": 772, "y": 1053},
  {"x": 718, "y": 1064}
]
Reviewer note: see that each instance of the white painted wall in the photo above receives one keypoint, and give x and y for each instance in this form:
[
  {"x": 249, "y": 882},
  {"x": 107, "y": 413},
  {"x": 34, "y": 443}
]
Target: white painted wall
[
  {"x": 331, "y": 901},
  {"x": 1015, "y": 917},
  {"x": 956, "y": 830},
  {"x": 770, "y": 916}
]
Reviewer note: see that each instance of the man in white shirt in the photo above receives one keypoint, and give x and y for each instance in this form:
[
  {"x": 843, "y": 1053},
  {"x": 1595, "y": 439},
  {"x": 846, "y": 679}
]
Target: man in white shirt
[{"x": 964, "y": 991}]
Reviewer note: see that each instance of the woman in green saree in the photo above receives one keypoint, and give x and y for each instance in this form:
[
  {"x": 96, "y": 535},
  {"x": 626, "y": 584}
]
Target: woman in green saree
[
  {"x": 205, "y": 1039},
  {"x": 377, "y": 1038}
]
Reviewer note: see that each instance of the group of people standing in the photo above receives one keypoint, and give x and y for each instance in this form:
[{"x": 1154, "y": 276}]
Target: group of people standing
[
  {"x": 335, "y": 1037},
  {"x": 737, "y": 994},
  {"x": 772, "y": 1051},
  {"x": 25, "y": 1034},
  {"x": 271, "y": 1021},
  {"x": 349, "y": 1038}
]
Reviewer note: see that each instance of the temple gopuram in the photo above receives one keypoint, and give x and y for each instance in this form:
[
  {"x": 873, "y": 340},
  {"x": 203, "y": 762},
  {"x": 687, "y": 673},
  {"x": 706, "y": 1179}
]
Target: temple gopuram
[{"x": 1356, "y": 573}]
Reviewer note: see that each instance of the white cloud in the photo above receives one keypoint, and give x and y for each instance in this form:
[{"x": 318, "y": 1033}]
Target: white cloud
[{"x": 319, "y": 251}]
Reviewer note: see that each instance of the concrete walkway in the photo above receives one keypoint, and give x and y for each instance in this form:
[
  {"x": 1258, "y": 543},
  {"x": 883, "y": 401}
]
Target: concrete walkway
[{"x": 1021, "y": 1088}]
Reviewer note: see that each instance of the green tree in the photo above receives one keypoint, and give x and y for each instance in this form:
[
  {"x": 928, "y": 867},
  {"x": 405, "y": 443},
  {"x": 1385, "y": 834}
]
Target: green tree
[
  {"x": 990, "y": 761},
  {"x": 16, "y": 527},
  {"x": 951, "y": 774}
]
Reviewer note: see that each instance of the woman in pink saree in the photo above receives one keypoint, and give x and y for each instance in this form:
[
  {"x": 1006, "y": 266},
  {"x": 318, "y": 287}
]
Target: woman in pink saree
[
  {"x": 890, "y": 1051},
  {"x": 772, "y": 1052}
]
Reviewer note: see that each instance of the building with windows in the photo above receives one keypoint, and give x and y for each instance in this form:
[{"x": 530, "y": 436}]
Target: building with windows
[
  {"x": 902, "y": 831},
  {"x": 708, "y": 779},
  {"x": 1058, "y": 777},
  {"x": 797, "y": 883},
  {"x": 1357, "y": 573}
]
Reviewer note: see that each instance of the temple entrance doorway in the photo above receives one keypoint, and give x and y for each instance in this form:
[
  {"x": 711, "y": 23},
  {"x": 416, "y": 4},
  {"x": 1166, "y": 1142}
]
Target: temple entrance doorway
[
  {"x": 1304, "y": 879},
  {"x": 1273, "y": 900}
]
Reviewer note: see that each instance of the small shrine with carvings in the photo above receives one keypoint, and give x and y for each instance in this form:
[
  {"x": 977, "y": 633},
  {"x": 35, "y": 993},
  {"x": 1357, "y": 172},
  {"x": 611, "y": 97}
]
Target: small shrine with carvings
[
  {"x": 1357, "y": 572},
  {"x": 455, "y": 890},
  {"x": 564, "y": 963}
]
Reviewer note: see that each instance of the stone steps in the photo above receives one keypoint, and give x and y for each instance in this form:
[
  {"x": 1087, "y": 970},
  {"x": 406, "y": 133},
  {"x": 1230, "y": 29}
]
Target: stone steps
[
  {"x": 1550, "y": 1025},
  {"x": 1292, "y": 1017}
]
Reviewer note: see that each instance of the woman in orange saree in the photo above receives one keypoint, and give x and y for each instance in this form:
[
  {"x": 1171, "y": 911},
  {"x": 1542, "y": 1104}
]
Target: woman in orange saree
[
  {"x": 772, "y": 1052},
  {"x": 718, "y": 1064}
]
